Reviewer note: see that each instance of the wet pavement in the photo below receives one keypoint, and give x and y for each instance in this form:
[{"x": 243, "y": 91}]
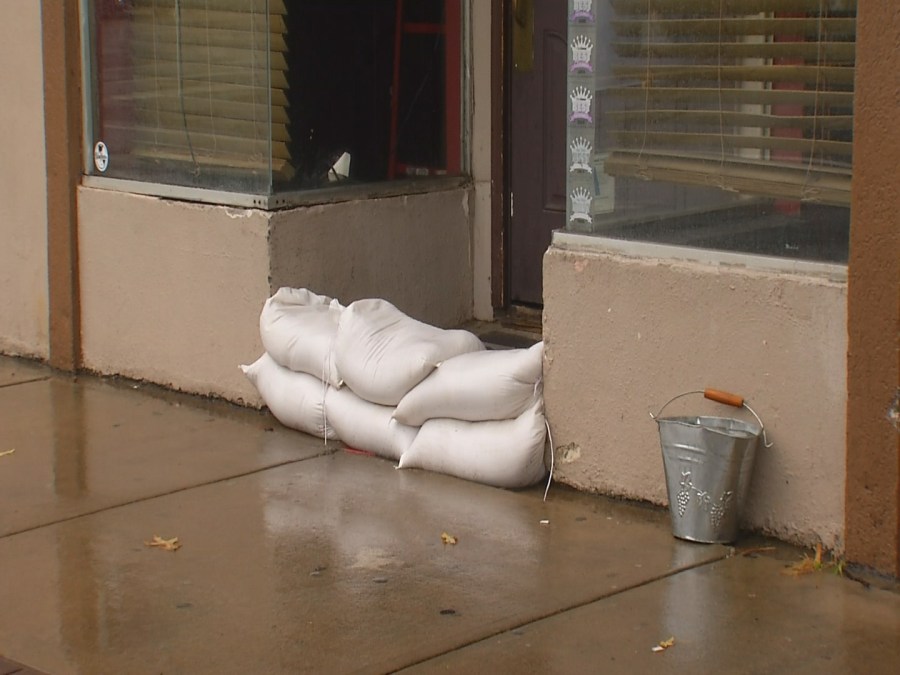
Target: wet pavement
[{"x": 297, "y": 556}]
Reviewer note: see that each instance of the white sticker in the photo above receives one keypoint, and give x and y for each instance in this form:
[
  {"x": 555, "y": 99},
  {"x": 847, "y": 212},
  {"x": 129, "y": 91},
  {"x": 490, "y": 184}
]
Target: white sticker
[{"x": 101, "y": 156}]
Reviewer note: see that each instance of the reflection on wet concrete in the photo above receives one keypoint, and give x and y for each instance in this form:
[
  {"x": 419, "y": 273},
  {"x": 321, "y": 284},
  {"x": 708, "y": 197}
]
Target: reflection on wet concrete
[
  {"x": 69, "y": 452},
  {"x": 300, "y": 558},
  {"x": 78, "y": 583},
  {"x": 332, "y": 564},
  {"x": 15, "y": 371},
  {"x": 86, "y": 445},
  {"x": 738, "y": 615}
]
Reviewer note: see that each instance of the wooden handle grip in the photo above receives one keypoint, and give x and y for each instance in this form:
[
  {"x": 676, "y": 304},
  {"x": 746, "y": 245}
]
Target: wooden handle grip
[{"x": 724, "y": 397}]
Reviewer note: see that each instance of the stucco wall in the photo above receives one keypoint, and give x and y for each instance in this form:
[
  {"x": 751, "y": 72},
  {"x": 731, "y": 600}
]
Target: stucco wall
[
  {"x": 414, "y": 251},
  {"x": 171, "y": 291},
  {"x": 623, "y": 335},
  {"x": 23, "y": 188},
  {"x": 480, "y": 142}
]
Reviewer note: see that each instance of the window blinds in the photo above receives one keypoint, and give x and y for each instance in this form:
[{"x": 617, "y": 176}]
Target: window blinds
[
  {"x": 207, "y": 84},
  {"x": 751, "y": 96}
]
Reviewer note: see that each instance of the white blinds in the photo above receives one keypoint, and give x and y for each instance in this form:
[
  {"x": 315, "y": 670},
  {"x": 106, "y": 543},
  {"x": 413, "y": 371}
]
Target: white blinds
[
  {"x": 752, "y": 96},
  {"x": 207, "y": 84}
]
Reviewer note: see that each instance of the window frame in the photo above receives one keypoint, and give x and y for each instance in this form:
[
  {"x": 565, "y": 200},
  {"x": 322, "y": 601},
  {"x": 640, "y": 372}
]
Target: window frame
[
  {"x": 288, "y": 198},
  {"x": 614, "y": 230}
]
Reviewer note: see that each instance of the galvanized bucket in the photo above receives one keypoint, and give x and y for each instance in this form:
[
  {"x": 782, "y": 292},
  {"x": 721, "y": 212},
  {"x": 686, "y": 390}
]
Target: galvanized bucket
[{"x": 708, "y": 463}]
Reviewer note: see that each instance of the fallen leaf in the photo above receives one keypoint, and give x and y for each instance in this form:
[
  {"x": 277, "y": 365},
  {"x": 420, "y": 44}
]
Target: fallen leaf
[
  {"x": 664, "y": 645},
  {"x": 448, "y": 539},
  {"x": 165, "y": 544},
  {"x": 807, "y": 565},
  {"x": 7, "y": 452}
]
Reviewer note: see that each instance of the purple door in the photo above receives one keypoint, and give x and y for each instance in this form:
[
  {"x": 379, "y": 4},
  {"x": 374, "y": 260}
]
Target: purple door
[{"x": 537, "y": 149}]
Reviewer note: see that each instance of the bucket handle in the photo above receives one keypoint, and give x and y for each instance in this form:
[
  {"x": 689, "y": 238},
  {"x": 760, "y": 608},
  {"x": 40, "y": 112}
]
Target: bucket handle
[{"x": 720, "y": 397}]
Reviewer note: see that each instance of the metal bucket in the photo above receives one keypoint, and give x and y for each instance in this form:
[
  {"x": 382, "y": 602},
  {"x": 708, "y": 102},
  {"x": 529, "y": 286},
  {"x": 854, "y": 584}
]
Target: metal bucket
[{"x": 708, "y": 463}]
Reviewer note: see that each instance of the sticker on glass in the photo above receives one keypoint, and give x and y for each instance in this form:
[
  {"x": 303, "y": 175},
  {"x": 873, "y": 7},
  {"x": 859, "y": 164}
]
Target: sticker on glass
[
  {"x": 581, "y": 155},
  {"x": 101, "y": 156},
  {"x": 581, "y": 98},
  {"x": 581, "y": 206},
  {"x": 582, "y": 10},
  {"x": 582, "y": 47}
]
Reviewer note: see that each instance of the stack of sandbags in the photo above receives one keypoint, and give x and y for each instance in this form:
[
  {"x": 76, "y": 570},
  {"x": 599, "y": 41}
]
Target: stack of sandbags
[
  {"x": 381, "y": 355},
  {"x": 314, "y": 346},
  {"x": 383, "y": 382},
  {"x": 298, "y": 330},
  {"x": 481, "y": 417}
]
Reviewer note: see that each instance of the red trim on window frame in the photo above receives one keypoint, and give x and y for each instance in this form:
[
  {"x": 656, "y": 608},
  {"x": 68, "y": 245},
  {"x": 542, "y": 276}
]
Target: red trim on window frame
[{"x": 451, "y": 28}]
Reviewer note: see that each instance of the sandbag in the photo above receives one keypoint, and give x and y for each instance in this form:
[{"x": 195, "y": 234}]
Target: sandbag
[
  {"x": 367, "y": 426},
  {"x": 507, "y": 453},
  {"x": 295, "y": 399},
  {"x": 298, "y": 329},
  {"x": 488, "y": 385},
  {"x": 381, "y": 353}
]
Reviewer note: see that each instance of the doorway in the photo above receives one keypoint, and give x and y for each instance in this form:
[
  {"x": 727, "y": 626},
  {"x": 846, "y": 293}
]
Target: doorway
[{"x": 536, "y": 133}]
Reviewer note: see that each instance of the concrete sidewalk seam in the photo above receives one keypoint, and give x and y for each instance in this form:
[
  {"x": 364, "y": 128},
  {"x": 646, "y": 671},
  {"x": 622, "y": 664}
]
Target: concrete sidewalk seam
[
  {"x": 31, "y": 381},
  {"x": 176, "y": 491},
  {"x": 549, "y": 615}
]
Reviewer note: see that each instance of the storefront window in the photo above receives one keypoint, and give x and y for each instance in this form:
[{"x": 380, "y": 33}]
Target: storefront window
[
  {"x": 722, "y": 124},
  {"x": 273, "y": 96}
]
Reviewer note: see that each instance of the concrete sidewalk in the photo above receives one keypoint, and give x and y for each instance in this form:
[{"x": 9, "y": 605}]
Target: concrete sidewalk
[{"x": 301, "y": 557}]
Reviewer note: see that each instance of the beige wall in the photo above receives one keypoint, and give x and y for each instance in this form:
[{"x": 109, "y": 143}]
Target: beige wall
[
  {"x": 414, "y": 251},
  {"x": 480, "y": 143},
  {"x": 171, "y": 291},
  {"x": 623, "y": 335},
  {"x": 23, "y": 191}
]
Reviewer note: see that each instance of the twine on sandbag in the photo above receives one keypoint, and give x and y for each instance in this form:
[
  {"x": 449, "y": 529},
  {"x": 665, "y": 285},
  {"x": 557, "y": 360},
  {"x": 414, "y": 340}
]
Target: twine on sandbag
[
  {"x": 387, "y": 384},
  {"x": 552, "y": 459}
]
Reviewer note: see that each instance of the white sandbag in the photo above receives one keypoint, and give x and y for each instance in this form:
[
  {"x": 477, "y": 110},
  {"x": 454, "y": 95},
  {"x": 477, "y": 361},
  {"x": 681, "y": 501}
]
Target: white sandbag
[
  {"x": 295, "y": 399},
  {"x": 367, "y": 426},
  {"x": 381, "y": 353},
  {"x": 488, "y": 385},
  {"x": 506, "y": 453},
  {"x": 298, "y": 329}
]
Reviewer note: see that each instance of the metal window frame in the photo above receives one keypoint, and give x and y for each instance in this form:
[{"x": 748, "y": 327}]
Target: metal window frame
[
  {"x": 644, "y": 250},
  {"x": 281, "y": 200}
]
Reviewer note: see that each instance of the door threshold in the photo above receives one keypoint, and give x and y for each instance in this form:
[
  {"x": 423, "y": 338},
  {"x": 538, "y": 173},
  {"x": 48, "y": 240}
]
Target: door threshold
[
  {"x": 526, "y": 318},
  {"x": 512, "y": 328}
]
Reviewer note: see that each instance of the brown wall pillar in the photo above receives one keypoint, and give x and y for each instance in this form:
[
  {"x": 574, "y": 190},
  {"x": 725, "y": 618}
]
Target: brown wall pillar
[
  {"x": 872, "y": 520},
  {"x": 62, "y": 124},
  {"x": 499, "y": 186}
]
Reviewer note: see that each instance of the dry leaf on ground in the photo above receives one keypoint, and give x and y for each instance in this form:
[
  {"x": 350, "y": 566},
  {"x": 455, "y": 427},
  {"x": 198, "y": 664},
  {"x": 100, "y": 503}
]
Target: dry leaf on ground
[
  {"x": 448, "y": 538},
  {"x": 815, "y": 564},
  {"x": 664, "y": 645},
  {"x": 807, "y": 564},
  {"x": 165, "y": 544},
  {"x": 7, "y": 452}
]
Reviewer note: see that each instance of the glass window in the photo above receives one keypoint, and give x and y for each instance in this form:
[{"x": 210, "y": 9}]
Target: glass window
[
  {"x": 723, "y": 124},
  {"x": 274, "y": 96}
]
